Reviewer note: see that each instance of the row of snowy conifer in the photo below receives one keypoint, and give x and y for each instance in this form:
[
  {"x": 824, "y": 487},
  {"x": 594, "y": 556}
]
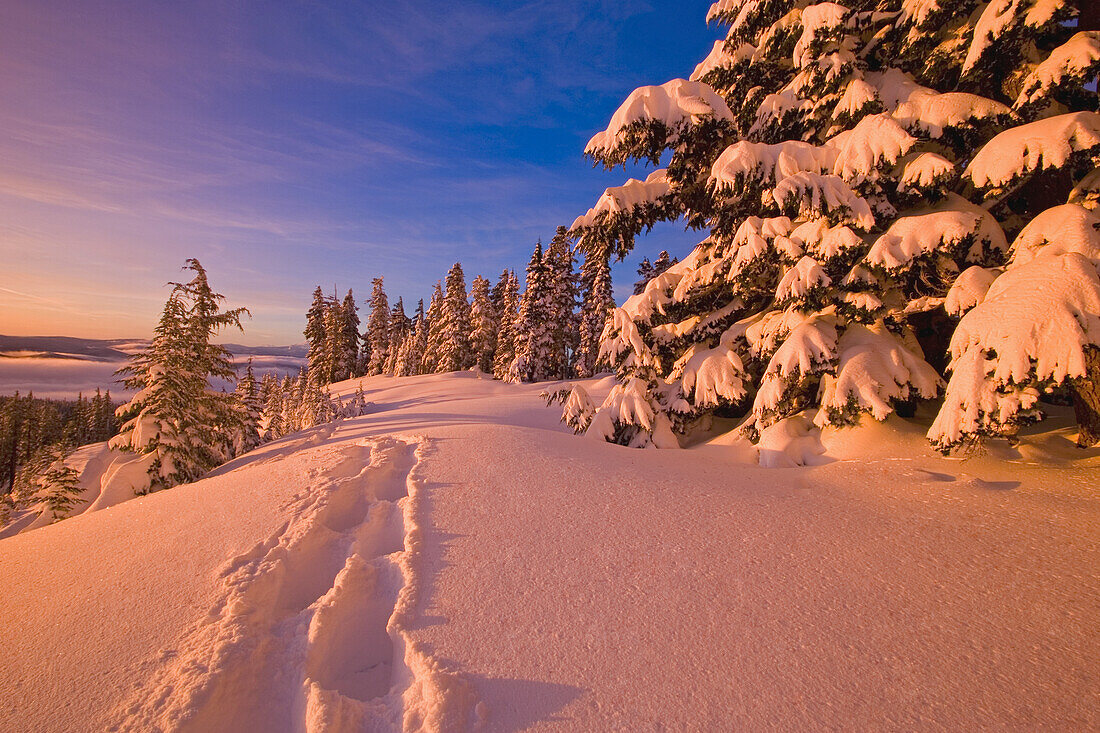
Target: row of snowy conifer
[{"x": 533, "y": 335}]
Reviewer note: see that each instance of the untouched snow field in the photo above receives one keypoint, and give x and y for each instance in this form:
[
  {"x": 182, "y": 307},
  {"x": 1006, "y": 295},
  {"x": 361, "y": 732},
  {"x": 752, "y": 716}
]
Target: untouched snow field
[{"x": 457, "y": 560}]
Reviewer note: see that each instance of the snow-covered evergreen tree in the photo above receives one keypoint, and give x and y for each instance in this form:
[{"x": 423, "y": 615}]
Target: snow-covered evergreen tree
[
  {"x": 48, "y": 481},
  {"x": 534, "y": 341},
  {"x": 597, "y": 302},
  {"x": 410, "y": 358},
  {"x": 399, "y": 330},
  {"x": 315, "y": 326},
  {"x": 561, "y": 305},
  {"x": 176, "y": 419},
  {"x": 251, "y": 405},
  {"x": 496, "y": 293},
  {"x": 349, "y": 338},
  {"x": 484, "y": 325},
  {"x": 508, "y": 332},
  {"x": 378, "y": 328},
  {"x": 454, "y": 351},
  {"x": 433, "y": 332},
  {"x": 327, "y": 368},
  {"x": 849, "y": 163}
]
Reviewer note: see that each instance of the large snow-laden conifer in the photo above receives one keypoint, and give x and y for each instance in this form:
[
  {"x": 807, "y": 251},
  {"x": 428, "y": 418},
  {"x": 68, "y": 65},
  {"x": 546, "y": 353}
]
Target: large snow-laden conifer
[{"x": 858, "y": 170}]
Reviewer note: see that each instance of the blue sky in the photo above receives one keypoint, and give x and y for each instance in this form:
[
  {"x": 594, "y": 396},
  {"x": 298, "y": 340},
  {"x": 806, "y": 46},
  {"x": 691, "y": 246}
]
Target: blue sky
[{"x": 290, "y": 144}]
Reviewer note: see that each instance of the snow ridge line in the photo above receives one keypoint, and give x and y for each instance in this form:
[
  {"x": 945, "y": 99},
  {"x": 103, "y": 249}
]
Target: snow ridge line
[{"x": 310, "y": 631}]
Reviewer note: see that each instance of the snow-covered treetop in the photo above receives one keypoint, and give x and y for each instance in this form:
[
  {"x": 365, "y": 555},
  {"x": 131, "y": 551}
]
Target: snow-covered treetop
[
  {"x": 1058, "y": 230},
  {"x": 672, "y": 104},
  {"x": 1046, "y": 143},
  {"x": 625, "y": 198}
]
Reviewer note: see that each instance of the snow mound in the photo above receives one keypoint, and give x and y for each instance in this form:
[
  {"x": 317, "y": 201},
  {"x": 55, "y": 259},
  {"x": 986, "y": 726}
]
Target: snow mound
[{"x": 790, "y": 442}]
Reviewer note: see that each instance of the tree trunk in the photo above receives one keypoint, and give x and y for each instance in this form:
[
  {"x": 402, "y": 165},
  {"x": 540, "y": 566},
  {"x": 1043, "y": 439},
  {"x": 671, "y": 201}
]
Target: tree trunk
[{"x": 1086, "y": 400}]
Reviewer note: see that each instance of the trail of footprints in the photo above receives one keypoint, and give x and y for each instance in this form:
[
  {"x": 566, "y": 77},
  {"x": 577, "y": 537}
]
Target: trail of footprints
[{"x": 299, "y": 639}]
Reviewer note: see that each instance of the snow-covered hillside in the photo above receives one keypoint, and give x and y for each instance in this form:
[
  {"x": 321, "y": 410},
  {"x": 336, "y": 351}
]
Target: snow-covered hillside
[{"x": 456, "y": 560}]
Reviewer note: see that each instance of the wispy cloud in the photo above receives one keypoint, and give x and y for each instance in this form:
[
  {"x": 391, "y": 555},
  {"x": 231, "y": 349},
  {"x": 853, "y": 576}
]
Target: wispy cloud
[{"x": 291, "y": 143}]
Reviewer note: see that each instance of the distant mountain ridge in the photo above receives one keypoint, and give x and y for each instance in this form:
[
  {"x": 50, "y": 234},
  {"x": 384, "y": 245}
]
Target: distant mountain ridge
[{"x": 70, "y": 347}]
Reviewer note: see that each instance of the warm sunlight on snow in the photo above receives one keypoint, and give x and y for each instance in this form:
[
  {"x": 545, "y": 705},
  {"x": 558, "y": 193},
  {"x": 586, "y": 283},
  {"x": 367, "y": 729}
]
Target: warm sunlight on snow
[{"x": 795, "y": 427}]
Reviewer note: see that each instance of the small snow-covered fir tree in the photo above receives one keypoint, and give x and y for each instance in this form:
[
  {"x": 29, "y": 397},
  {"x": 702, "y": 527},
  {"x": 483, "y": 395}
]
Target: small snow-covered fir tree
[
  {"x": 561, "y": 304},
  {"x": 534, "y": 341},
  {"x": 496, "y": 293},
  {"x": 176, "y": 419},
  {"x": 399, "y": 330},
  {"x": 597, "y": 302},
  {"x": 484, "y": 325},
  {"x": 433, "y": 332},
  {"x": 454, "y": 351},
  {"x": 46, "y": 480},
  {"x": 410, "y": 358},
  {"x": 251, "y": 405},
  {"x": 378, "y": 328},
  {"x": 508, "y": 332},
  {"x": 315, "y": 326},
  {"x": 327, "y": 369},
  {"x": 857, "y": 169},
  {"x": 349, "y": 338}
]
